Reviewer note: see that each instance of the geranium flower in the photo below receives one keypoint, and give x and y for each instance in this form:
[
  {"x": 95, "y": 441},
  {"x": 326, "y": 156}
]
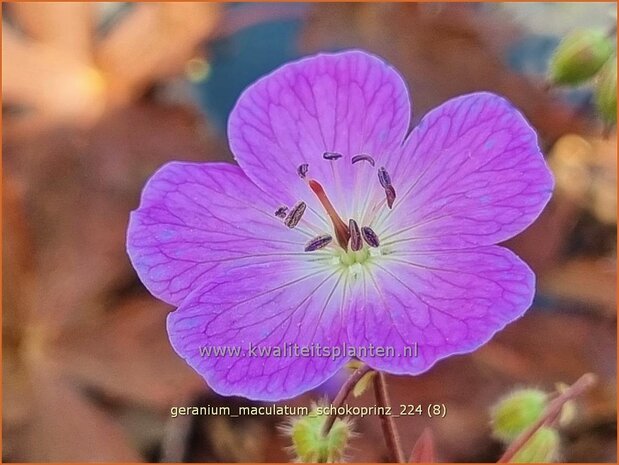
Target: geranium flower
[{"x": 339, "y": 228}]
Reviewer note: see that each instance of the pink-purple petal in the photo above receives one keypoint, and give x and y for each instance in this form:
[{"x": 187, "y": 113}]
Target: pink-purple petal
[
  {"x": 446, "y": 303},
  {"x": 350, "y": 103},
  {"x": 267, "y": 305},
  {"x": 194, "y": 216},
  {"x": 470, "y": 174}
]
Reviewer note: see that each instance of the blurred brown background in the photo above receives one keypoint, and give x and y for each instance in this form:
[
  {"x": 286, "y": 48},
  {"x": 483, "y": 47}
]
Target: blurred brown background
[{"x": 97, "y": 96}]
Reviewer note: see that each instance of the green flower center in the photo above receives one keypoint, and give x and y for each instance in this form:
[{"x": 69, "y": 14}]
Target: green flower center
[{"x": 351, "y": 257}]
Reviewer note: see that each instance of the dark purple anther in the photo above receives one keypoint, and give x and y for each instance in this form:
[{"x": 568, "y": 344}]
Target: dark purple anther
[
  {"x": 355, "y": 235},
  {"x": 390, "y": 193},
  {"x": 318, "y": 243},
  {"x": 363, "y": 157},
  {"x": 302, "y": 170},
  {"x": 331, "y": 155},
  {"x": 281, "y": 212},
  {"x": 370, "y": 236},
  {"x": 295, "y": 215},
  {"x": 383, "y": 177}
]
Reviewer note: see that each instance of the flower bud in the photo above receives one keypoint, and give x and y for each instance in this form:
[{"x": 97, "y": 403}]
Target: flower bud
[
  {"x": 606, "y": 92},
  {"x": 580, "y": 56},
  {"x": 543, "y": 447},
  {"x": 516, "y": 412},
  {"x": 310, "y": 445}
]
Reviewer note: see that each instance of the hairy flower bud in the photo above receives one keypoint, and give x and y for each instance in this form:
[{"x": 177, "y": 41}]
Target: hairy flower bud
[
  {"x": 580, "y": 56},
  {"x": 516, "y": 412},
  {"x": 311, "y": 445},
  {"x": 606, "y": 92},
  {"x": 543, "y": 447}
]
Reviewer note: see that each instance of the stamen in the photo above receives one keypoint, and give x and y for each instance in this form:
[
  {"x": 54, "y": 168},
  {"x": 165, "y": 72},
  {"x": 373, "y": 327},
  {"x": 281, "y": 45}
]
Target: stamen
[
  {"x": 331, "y": 155},
  {"x": 370, "y": 236},
  {"x": 355, "y": 235},
  {"x": 295, "y": 215},
  {"x": 302, "y": 170},
  {"x": 390, "y": 193},
  {"x": 383, "y": 177},
  {"x": 318, "y": 243},
  {"x": 363, "y": 157},
  {"x": 281, "y": 211},
  {"x": 341, "y": 230}
]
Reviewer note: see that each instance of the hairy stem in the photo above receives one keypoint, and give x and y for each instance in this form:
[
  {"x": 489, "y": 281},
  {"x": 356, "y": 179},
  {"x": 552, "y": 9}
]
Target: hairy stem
[
  {"x": 550, "y": 414},
  {"x": 341, "y": 396},
  {"x": 392, "y": 438}
]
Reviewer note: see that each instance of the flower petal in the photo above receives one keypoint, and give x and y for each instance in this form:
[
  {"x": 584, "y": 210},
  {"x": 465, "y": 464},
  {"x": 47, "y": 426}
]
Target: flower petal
[
  {"x": 264, "y": 306},
  {"x": 193, "y": 216},
  {"x": 470, "y": 174},
  {"x": 350, "y": 103},
  {"x": 447, "y": 303}
]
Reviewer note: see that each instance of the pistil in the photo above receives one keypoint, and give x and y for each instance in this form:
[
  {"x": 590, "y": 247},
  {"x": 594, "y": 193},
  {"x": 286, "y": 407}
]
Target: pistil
[{"x": 341, "y": 229}]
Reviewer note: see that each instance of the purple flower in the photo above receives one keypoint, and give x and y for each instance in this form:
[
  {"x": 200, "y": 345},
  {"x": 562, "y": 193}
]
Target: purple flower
[{"x": 339, "y": 228}]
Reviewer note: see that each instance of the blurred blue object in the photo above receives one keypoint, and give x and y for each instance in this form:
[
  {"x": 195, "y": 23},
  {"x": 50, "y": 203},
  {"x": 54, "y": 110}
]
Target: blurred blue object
[
  {"x": 260, "y": 38},
  {"x": 531, "y": 54}
]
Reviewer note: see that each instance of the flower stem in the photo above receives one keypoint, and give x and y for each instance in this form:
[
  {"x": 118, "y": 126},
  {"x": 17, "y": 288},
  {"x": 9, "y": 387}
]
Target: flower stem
[
  {"x": 550, "y": 414},
  {"x": 341, "y": 396},
  {"x": 392, "y": 438}
]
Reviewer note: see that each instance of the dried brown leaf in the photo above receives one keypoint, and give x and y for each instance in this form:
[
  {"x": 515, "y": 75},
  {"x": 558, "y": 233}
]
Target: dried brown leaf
[
  {"x": 65, "y": 25},
  {"x": 67, "y": 427},
  {"x": 127, "y": 355},
  {"x": 152, "y": 41}
]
